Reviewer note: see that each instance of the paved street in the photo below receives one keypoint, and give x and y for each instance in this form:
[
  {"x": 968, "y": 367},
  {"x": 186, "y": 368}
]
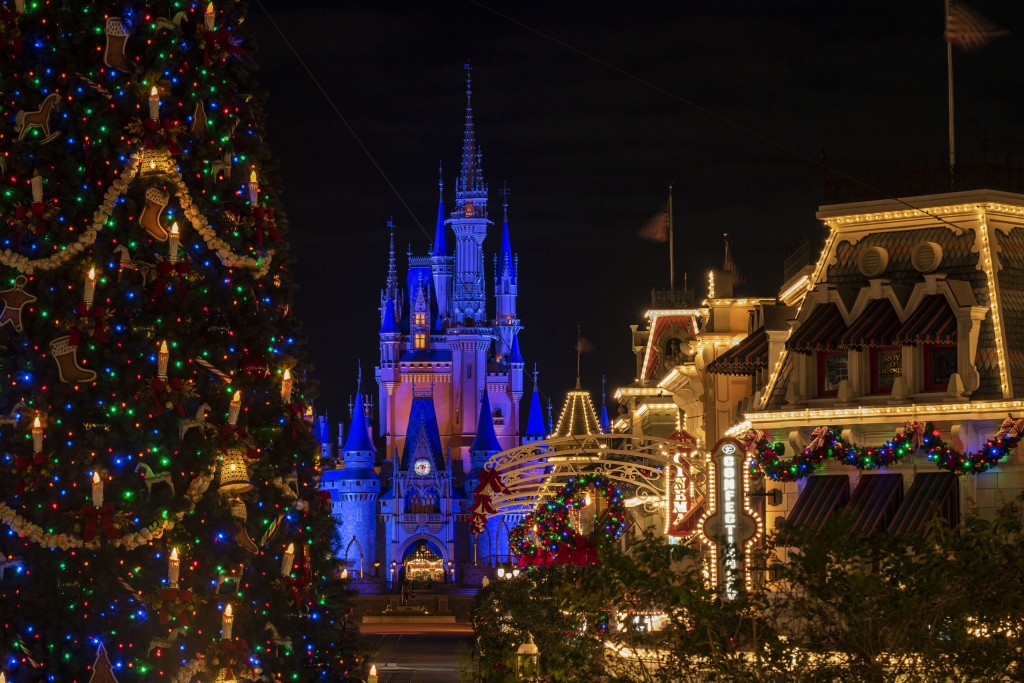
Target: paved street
[{"x": 422, "y": 657}]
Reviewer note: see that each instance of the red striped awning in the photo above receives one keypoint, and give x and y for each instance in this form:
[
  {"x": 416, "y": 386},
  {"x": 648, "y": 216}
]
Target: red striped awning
[
  {"x": 877, "y": 325},
  {"x": 746, "y": 358},
  {"x": 932, "y": 322},
  {"x": 820, "y": 331},
  {"x": 875, "y": 501},
  {"x": 822, "y": 496},
  {"x": 933, "y": 494}
]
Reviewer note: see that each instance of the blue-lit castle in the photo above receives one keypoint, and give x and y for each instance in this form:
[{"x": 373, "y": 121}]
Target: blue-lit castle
[{"x": 450, "y": 381}]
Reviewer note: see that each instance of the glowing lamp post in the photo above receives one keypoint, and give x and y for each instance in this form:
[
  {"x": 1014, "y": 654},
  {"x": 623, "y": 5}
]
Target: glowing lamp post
[{"x": 528, "y": 660}]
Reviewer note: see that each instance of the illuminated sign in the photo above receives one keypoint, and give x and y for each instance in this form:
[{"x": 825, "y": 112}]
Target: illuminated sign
[{"x": 731, "y": 527}]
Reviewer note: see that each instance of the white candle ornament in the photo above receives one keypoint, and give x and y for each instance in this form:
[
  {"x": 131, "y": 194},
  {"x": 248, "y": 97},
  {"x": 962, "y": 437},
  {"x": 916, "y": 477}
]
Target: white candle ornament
[
  {"x": 97, "y": 490},
  {"x": 174, "y": 242},
  {"x": 226, "y": 622},
  {"x": 372, "y": 678},
  {"x": 173, "y": 565},
  {"x": 154, "y": 104},
  {"x": 37, "y": 436},
  {"x": 254, "y": 187},
  {"x": 37, "y": 187},
  {"x": 209, "y": 17},
  {"x": 90, "y": 288},
  {"x": 286, "y": 386},
  {"x": 19, "y": 6},
  {"x": 234, "y": 407},
  {"x": 288, "y": 560},
  {"x": 162, "y": 358}
]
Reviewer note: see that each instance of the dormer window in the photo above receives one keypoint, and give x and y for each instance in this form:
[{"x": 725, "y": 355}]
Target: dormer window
[
  {"x": 939, "y": 365},
  {"x": 833, "y": 368},
  {"x": 419, "y": 319},
  {"x": 420, "y": 340}
]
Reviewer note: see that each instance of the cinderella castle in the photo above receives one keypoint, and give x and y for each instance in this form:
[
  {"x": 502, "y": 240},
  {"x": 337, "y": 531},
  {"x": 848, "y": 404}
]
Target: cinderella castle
[{"x": 449, "y": 385}]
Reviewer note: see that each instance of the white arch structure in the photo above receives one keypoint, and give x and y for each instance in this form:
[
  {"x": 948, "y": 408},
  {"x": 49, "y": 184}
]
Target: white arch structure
[{"x": 536, "y": 471}]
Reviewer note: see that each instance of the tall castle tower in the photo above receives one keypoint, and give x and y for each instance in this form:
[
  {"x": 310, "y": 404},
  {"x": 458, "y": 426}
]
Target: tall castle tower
[{"x": 450, "y": 381}]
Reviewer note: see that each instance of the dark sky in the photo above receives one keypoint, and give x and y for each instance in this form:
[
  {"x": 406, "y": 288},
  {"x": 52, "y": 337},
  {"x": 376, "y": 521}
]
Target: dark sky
[{"x": 588, "y": 152}]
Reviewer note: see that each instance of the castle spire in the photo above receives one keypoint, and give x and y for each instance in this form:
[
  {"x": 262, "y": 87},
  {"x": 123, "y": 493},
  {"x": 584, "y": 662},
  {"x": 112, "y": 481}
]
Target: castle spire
[
  {"x": 440, "y": 243},
  {"x": 470, "y": 190},
  {"x": 506, "y": 264},
  {"x": 391, "y": 291},
  {"x": 604, "y": 421},
  {"x": 535, "y": 420}
]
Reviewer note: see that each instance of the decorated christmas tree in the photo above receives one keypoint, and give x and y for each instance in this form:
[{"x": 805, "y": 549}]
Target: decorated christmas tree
[{"x": 158, "y": 498}]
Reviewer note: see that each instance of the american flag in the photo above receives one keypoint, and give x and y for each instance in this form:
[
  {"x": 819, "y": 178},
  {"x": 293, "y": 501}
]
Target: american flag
[
  {"x": 656, "y": 228},
  {"x": 968, "y": 30},
  {"x": 583, "y": 345}
]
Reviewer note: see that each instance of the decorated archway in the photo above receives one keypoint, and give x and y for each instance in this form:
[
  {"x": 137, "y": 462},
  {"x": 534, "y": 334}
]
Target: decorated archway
[{"x": 646, "y": 471}]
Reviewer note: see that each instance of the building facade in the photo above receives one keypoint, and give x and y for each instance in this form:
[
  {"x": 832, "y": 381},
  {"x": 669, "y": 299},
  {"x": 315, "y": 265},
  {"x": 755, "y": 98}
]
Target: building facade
[{"x": 449, "y": 386}]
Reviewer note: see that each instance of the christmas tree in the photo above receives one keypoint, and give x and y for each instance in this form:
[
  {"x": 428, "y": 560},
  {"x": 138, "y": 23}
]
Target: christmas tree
[{"x": 158, "y": 498}]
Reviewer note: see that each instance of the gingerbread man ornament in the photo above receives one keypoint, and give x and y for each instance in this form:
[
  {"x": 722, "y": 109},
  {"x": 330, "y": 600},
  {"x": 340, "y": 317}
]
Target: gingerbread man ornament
[{"x": 14, "y": 300}]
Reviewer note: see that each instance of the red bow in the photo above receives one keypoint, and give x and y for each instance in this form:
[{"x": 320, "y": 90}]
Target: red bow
[
  {"x": 490, "y": 483},
  {"x": 221, "y": 40},
  {"x": 38, "y": 217},
  {"x": 29, "y": 467},
  {"x": 176, "y": 603},
  {"x": 299, "y": 590},
  {"x": 159, "y": 132},
  {"x": 296, "y": 416},
  {"x": 159, "y": 386},
  {"x": 105, "y": 517},
  {"x": 265, "y": 221},
  {"x": 167, "y": 274},
  {"x": 1011, "y": 428},
  {"x": 96, "y": 315}
]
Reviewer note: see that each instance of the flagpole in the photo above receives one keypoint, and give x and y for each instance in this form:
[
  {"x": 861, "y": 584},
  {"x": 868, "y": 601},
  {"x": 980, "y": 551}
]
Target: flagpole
[
  {"x": 949, "y": 80},
  {"x": 579, "y": 352},
  {"x": 671, "y": 252}
]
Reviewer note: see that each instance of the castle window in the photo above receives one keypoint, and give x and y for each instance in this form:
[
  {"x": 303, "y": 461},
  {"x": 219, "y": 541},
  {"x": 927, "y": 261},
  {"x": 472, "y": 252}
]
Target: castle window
[
  {"x": 939, "y": 365},
  {"x": 469, "y": 372},
  {"x": 833, "y": 368},
  {"x": 419, "y": 319},
  {"x": 886, "y": 366},
  {"x": 420, "y": 340}
]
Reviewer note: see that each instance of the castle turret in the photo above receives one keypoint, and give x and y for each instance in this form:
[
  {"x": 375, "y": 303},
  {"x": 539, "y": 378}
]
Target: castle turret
[
  {"x": 535, "y": 430},
  {"x": 323, "y": 435},
  {"x": 506, "y": 290},
  {"x": 441, "y": 262},
  {"x": 354, "y": 491}
]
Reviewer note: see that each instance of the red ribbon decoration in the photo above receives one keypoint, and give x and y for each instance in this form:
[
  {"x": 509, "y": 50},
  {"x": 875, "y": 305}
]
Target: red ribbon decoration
[
  {"x": 296, "y": 416},
  {"x": 490, "y": 482},
  {"x": 264, "y": 219},
  {"x": 97, "y": 315},
  {"x": 27, "y": 466},
  {"x": 159, "y": 387},
  {"x": 221, "y": 40},
  {"x": 176, "y": 602},
  {"x": 151, "y": 128},
  {"x": 38, "y": 217},
  {"x": 167, "y": 274},
  {"x": 104, "y": 517}
]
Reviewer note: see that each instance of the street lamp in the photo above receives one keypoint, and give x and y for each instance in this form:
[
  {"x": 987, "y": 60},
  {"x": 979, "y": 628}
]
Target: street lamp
[{"x": 528, "y": 660}]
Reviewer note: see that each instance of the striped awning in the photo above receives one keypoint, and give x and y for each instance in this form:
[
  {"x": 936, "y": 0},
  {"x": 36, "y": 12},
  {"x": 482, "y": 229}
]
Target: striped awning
[
  {"x": 932, "y": 322},
  {"x": 823, "y": 495},
  {"x": 746, "y": 358},
  {"x": 819, "y": 332},
  {"x": 877, "y": 325},
  {"x": 932, "y": 494},
  {"x": 875, "y": 501}
]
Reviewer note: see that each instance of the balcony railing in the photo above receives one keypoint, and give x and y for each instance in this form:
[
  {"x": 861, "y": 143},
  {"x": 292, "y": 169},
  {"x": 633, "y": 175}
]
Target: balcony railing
[{"x": 422, "y": 518}]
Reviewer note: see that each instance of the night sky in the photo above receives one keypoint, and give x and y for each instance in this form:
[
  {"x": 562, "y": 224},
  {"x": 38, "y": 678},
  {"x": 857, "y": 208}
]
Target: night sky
[{"x": 588, "y": 152}]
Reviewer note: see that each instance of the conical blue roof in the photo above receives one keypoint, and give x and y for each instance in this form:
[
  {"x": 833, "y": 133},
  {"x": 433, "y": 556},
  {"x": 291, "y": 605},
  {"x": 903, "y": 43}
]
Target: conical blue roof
[
  {"x": 606, "y": 425},
  {"x": 486, "y": 440},
  {"x": 358, "y": 433},
  {"x": 514, "y": 355},
  {"x": 440, "y": 238},
  {"x": 507, "y": 265},
  {"x": 388, "y": 326},
  {"x": 535, "y": 421}
]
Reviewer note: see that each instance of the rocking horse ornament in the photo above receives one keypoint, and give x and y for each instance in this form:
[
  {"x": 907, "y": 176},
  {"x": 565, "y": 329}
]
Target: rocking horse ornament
[{"x": 27, "y": 120}]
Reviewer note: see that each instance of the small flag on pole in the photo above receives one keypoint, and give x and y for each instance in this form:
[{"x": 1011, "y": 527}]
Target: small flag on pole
[
  {"x": 656, "y": 227},
  {"x": 968, "y": 30},
  {"x": 729, "y": 263},
  {"x": 584, "y": 345}
]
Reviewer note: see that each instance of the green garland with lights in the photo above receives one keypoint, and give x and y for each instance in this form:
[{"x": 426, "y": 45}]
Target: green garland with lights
[
  {"x": 118, "y": 121},
  {"x": 766, "y": 458}
]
